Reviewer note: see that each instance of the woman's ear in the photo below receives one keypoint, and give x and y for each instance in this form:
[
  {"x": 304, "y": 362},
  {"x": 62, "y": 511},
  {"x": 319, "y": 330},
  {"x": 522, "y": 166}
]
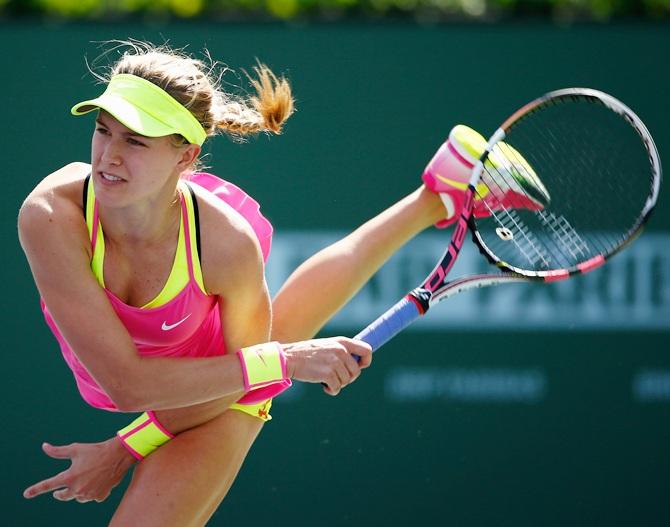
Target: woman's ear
[{"x": 189, "y": 153}]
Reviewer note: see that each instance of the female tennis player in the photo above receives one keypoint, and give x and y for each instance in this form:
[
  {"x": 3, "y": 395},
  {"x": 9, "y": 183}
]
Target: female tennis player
[{"x": 166, "y": 311}]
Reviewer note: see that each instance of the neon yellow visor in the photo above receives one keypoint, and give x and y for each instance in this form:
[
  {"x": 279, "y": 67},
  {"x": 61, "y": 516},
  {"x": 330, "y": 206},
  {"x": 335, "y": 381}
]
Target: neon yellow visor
[{"x": 145, "y": 108}]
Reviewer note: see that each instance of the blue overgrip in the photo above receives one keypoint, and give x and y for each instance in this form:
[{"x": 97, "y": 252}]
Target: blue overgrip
[{"x": 388, "y": 325}]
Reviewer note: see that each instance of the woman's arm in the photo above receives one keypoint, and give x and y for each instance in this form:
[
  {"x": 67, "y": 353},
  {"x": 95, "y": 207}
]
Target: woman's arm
[
  {"x": 54, "y": 238},
  {"x": 246, "y": 320},
  {"x": 96, "y": 467},
  {"x": 298, "y": 314}
]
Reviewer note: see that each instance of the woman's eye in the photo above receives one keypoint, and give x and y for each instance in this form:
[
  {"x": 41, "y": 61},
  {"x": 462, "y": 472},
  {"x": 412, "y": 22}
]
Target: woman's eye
[
  {"x": 135, "y": 142},
  {"x": 101, "y": 130}
]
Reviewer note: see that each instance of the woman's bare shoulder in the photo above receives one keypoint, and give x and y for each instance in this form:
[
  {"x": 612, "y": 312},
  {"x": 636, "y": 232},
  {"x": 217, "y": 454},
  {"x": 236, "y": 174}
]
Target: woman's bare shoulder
[
  {"x": 55, "y": 199},
  {"x": 218, "y": 220},
  {"x": 229, "y": 246},
  {"x": 64, "y": 183}
]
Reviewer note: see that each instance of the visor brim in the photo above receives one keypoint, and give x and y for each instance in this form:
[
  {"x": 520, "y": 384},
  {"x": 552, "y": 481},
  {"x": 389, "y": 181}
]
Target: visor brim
[{"x": 127, "y": 114}]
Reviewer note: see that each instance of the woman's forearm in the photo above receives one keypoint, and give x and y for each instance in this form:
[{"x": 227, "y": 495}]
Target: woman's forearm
[
  {"x": 161, "y": 383},
  {"x": 298, "y": 314}
]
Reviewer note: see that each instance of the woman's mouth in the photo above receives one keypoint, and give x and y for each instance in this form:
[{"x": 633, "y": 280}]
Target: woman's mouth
[{"x": 110, "y": 177}]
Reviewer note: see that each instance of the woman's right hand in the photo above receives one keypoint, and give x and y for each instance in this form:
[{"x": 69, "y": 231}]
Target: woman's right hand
[
  {"x": 329, "y": 361},
  {"x": 96, "y": 468}
]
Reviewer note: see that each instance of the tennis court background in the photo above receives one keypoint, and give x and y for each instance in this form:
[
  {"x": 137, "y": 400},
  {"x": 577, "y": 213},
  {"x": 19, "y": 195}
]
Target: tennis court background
[{"x": 540, "y": 426}]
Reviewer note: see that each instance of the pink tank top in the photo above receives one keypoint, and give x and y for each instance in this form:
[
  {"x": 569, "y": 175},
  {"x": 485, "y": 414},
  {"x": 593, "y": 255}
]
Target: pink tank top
[{"x": 188, "y": 325}]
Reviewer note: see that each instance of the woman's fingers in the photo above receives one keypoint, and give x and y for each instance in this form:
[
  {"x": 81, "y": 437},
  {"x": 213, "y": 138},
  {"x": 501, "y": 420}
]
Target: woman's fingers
[
  {"x": 47, "y": 485},
  {"x": 64, "y": 495},
  {"x": 362, "y": 350},
  {"x": 335, "y": 362},
  {"x": 346, "y": 369},
  {"x": 338, "y": 378},
  {"x": 57, "y": 452},
  {"x": 94, "y": 471},
  {"x": 56, "y": 482}
]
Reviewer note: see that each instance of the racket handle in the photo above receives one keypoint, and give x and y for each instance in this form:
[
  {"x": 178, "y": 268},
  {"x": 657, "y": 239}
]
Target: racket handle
[{"x": 390, "y": 324}]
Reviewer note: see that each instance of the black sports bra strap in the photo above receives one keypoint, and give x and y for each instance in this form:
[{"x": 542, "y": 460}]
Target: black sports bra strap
[
  {"x": 87, "y": 179},
  {"x": 196, "y": 218}
]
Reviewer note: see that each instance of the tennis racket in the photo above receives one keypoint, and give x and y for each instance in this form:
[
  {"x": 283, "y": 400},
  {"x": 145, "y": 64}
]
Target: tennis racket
[{"x": 588, "y": 168}]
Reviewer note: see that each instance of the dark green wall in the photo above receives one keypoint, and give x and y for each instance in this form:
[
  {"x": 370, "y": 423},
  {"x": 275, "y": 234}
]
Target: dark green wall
[{"x": 373, "y": 104}]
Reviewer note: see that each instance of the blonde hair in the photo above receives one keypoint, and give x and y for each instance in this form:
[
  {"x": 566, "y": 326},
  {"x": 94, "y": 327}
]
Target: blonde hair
[{"x": 196, "y": 84}]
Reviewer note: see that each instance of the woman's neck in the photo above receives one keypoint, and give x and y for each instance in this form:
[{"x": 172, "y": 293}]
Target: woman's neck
[{"x": 147, "y": 222}]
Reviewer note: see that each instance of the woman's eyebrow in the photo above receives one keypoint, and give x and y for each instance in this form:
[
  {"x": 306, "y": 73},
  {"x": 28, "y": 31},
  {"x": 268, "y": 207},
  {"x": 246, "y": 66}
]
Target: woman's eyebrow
[{"x": 129, "y": 132}]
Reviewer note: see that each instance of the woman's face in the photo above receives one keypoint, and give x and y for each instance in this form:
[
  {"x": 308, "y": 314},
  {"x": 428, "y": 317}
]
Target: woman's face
[{"x": 128, "y": 167}]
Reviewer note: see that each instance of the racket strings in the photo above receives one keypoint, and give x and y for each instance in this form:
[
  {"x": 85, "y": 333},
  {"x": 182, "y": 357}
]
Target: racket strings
[
  {"x": 596, "y": 171},
  {"x": 511, "y": 226},
  {"x": 524, "y": 239},
  {"x": 580, "y": 165},
  {"x": 565, "y": 234}
]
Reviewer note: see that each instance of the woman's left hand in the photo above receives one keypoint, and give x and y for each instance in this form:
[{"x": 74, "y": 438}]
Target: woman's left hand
[{"x": 96, "y": 468}]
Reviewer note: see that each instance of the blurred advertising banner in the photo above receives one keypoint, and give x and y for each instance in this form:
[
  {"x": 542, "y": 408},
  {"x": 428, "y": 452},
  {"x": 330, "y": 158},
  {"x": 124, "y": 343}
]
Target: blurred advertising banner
[{"x": 632, "y": 291}]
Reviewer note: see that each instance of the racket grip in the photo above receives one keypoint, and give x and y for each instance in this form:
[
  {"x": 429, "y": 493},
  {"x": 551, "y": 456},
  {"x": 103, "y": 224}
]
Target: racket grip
[{"x": 390, "y": 324}]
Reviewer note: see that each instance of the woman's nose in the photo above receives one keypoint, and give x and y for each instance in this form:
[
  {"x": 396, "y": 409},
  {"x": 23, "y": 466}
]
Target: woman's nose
[{"x": 111, "y": 154}]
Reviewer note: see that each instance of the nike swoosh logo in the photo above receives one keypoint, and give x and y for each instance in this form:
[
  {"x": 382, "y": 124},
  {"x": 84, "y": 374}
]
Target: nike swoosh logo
[
  {"x": 261, "y": 357},
  {"x": 168, "y": 327}
]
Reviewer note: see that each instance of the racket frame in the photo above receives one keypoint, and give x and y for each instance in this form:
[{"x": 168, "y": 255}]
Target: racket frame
[{"x": 436, "y": 287}]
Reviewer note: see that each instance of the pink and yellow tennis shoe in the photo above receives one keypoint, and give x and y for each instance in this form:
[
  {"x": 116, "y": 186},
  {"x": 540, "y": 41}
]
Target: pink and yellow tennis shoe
[{"x": 508, "y": 180}]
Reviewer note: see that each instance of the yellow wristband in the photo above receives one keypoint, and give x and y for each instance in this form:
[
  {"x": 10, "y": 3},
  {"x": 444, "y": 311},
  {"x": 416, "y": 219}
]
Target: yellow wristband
[
  {"x": 262, "y": 365},
  {"x": 144, "y": 435}
]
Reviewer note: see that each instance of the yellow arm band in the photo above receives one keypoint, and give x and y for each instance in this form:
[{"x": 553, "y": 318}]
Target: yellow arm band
[
  {"x": 262, "y": 365},
  {"x": 144, "y": 435}
]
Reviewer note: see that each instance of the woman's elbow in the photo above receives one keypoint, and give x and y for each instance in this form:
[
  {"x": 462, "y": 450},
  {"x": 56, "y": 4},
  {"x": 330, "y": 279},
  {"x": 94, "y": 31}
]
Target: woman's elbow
[
  {"x": 128, "y": 397},
  {"x": 129, "y": 404}
]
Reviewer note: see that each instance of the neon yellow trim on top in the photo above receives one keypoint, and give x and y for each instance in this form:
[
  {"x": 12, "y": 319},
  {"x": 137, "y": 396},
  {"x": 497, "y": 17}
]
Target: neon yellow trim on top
[
  {"x": 99, "y": 252},
  {"x": 193, "y": 230},
  {"x": 178, "y": 277}
]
